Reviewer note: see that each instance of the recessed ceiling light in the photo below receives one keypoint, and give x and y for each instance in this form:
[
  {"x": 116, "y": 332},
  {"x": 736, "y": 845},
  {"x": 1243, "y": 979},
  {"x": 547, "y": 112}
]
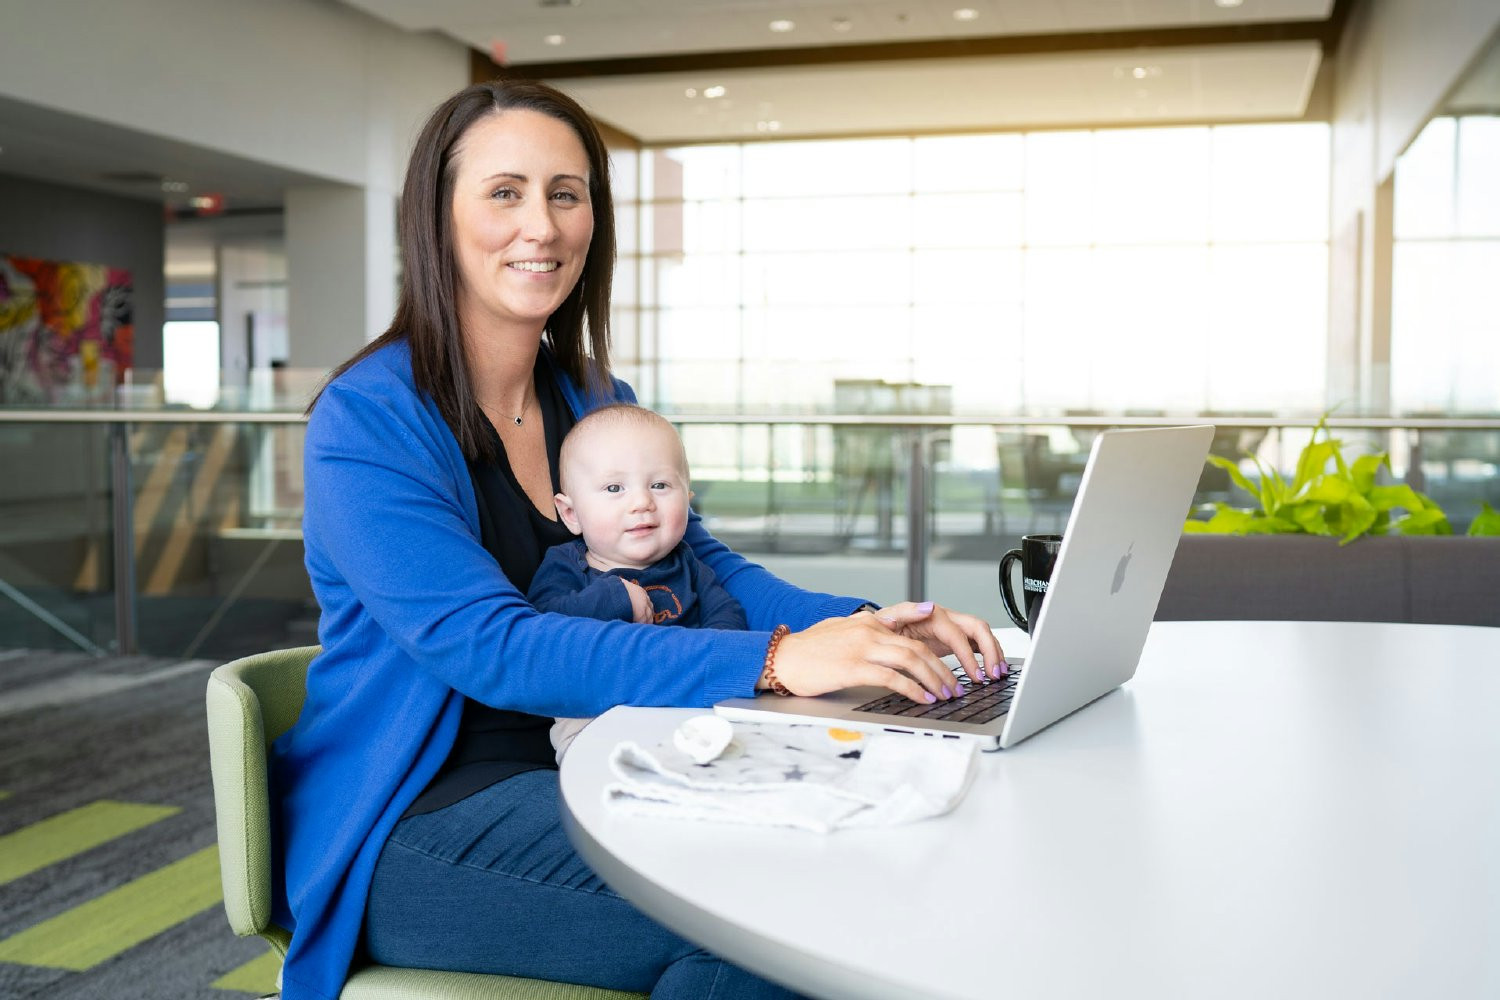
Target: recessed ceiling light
[
  {"x": 558, "y": 3},
  {"x": 966, "y": 14},
  {"x": 1228, "y": 3},
  {"x": 1145, "y": 72},
  {"x": 842, "y": 24},
  {"x": 768, "y": 125},
  {"x": 690, "y": 93},
  {"x": 714, "y": 92},
  {"x": 782, "y": 25},
  {"x": 554, "y": 39},
  {"x": 174, "y": 186}
]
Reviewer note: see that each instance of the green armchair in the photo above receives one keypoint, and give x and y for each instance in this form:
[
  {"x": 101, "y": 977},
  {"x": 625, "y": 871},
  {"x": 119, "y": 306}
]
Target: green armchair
[{"x": 251, "y": 702}]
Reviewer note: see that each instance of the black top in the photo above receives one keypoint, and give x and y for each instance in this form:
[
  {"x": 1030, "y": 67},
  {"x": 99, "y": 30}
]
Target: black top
[{"x": 494, "y": 744}]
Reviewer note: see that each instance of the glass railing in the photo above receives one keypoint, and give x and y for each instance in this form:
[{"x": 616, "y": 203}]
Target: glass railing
[{"x": 146, "y": 527}]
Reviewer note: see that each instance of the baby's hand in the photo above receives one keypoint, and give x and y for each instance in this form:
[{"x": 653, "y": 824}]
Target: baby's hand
[{"x": 642, "y": 613}]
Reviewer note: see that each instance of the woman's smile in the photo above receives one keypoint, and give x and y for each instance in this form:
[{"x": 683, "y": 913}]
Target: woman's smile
[{"x": 535, "y": 266}]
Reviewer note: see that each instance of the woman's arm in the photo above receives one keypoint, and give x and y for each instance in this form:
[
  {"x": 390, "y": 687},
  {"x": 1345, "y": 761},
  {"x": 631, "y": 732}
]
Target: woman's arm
[
  {"x": 395, "y": 558},
  {"x": 767, "y": 599}
]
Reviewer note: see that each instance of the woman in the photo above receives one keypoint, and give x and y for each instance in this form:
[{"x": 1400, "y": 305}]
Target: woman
[{"x": 418, "y": 805}]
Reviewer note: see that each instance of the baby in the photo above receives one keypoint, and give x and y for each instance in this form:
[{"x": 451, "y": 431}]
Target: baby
[{"x": 625, "y": 490}]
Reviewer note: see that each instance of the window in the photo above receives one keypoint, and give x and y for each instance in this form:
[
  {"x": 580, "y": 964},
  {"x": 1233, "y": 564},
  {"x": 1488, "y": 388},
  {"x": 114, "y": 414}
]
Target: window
[
  {"x": 1166, "y": 268},
  {"x": 1445, "y": 332}
]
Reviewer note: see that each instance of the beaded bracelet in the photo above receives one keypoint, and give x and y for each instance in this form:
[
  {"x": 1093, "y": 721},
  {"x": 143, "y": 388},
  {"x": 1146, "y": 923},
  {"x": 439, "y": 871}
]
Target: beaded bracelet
[{"x": 769, "y": 671}]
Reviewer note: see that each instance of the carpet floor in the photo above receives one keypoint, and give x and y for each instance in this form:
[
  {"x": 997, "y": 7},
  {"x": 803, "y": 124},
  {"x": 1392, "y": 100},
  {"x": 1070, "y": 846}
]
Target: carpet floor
[{"x": 109, "y": 878}]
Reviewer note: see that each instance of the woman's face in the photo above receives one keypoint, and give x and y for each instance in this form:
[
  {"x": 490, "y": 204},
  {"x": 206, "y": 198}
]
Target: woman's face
[{"x": 522, "y": 220}]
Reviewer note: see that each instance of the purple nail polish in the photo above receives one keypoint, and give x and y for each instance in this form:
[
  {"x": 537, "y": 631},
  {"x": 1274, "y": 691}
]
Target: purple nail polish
[
  {"x": 946, "y": 692},
  {"x": 925, "y": 607},
  {"x": 995, "y": 670},
  {"x": 1004, "y": 667},
  {"x": 929, "y": 696}
]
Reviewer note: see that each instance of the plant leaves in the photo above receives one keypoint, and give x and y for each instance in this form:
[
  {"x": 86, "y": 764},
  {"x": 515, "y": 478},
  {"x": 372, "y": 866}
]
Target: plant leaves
[
  {"x": 1430, "y": 521},
  {"x": 1487, "y": 522},
  {"x": 1272, "y": 488},
  {"x": 1329, "y": 490},
  {"x": 1343, "y": 501},
  {"x": 1355, "y": 517},
  {"x": 1397, "y": 495},
  {"x": 1362, "y": 472},
  {"x": 1228, "y": 520},
  {"x": 1312, "y": 462},
  {"x": 1235, "y": 475}
]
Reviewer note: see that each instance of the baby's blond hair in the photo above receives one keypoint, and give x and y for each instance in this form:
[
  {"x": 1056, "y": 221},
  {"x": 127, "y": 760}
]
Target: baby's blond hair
[{"x": 614, "y": 415}]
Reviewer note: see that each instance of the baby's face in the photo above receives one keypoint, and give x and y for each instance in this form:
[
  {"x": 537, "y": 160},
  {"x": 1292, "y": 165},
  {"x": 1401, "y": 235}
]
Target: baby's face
[{"x": 625, "y": 489}]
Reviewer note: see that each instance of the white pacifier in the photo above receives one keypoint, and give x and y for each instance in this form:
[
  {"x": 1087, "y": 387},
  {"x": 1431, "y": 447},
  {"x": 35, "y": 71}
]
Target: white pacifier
[{"x": 703, "y": 737}]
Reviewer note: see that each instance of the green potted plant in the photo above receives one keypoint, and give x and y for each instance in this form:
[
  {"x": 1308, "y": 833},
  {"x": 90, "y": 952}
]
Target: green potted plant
[
  {"x": 1330, "y": 496},
  {"x": 1286, "y": 566}
]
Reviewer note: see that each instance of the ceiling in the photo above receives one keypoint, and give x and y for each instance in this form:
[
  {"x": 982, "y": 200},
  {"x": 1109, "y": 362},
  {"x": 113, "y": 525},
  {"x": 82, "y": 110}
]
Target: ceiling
[
  {"x": 49, "y": 145},
  {"x": 1478, "y": 93},
  {"x": 843, "y": 67},
  {"x": 670, "y": 71},
  {"x": 593, "y": 29}
]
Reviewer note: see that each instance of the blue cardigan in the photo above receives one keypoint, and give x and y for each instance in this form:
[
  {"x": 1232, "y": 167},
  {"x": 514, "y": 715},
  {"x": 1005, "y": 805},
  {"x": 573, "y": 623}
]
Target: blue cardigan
[{"x": 416, "y": 615}]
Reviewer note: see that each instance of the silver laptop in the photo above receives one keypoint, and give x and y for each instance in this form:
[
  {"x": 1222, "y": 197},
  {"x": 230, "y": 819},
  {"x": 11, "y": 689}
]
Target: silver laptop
[{"x": 1135, "y": 494}]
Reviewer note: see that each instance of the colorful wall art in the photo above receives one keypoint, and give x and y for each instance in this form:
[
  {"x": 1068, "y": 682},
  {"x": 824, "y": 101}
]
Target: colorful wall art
[{"x": 65, "y": 330}]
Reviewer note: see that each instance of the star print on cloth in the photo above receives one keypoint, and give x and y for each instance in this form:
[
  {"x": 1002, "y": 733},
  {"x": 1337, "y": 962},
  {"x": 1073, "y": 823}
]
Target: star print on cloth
[{"x": 803, "y": 776}]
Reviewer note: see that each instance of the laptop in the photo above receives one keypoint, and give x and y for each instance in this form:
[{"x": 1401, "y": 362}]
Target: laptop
[{"x": 1122, "y": 533}]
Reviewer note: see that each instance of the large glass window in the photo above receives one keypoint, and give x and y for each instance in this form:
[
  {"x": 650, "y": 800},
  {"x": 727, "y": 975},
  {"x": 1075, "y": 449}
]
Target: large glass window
[
  {"x": 1166, "y": 269},
  {"x": 1445, "y": 329}
]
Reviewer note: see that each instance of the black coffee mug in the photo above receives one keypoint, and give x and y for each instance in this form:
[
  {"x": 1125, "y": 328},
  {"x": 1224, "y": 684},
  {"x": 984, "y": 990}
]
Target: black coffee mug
[{"x": 1037, "y": 555}]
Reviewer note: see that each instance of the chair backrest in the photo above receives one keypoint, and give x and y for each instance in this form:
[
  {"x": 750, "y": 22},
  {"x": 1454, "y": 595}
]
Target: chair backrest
[{"x": 251, "y": 702}]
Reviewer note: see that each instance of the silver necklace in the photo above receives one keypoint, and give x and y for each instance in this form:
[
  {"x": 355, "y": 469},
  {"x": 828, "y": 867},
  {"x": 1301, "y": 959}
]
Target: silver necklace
[{"x": 519, "y": 420}]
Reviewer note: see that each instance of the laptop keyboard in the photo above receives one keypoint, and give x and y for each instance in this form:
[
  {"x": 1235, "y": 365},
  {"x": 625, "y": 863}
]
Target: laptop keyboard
[{"x": 979, "y": 703}]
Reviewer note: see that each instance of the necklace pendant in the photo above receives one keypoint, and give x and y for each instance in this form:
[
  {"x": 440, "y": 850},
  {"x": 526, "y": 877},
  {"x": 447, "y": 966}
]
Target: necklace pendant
[{"x": 518, "y": 421}]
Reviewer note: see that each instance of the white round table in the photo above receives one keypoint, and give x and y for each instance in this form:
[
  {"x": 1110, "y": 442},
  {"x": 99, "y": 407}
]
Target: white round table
[{"x": 1268, "y": 809}]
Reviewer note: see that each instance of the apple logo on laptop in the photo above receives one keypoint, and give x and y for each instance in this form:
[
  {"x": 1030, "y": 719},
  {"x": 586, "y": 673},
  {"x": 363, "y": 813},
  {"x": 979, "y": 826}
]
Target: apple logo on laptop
[{"x": 1119, "y": 581}]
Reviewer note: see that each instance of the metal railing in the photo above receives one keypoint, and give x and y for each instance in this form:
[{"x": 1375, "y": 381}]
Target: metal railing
[{"x": 906, "y": 481}]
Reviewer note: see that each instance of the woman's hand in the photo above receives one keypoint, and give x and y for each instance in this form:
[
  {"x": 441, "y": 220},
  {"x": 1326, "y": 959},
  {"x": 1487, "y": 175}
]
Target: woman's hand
[
  {"x": 946, "y": 631},
  {"x": 848, "y": 652}
]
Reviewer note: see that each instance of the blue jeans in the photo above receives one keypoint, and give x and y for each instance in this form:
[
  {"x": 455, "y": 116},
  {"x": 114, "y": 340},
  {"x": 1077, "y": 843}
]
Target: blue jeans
[{"x": 491, "y": 884}]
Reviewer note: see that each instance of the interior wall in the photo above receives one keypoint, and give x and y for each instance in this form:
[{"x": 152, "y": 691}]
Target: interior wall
[
  {"x": 1395, "y": 63},
  {"x": 315, "y": 87},
  {"x": 62, "y": 223},
  {"x": 312, "y": 86}
]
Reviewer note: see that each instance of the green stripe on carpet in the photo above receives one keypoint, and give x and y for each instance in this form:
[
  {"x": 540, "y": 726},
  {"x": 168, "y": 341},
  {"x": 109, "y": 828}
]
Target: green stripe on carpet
[
  {"x": 256, "y": 976},
  {"x": 51, "y": 840},
  {"x": 102, "y": 928}
]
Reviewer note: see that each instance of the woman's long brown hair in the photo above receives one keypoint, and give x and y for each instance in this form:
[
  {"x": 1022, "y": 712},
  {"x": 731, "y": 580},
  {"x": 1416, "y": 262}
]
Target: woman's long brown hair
[{"x": 427, "y": 310}]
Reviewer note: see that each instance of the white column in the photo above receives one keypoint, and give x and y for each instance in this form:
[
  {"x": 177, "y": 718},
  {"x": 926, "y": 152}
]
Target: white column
[{"x": 341, "y": 267}]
